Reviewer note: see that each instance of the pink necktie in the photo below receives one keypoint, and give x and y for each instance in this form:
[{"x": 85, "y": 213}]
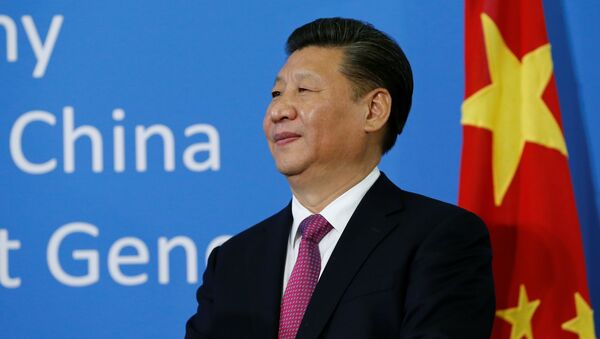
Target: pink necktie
[{"x": 304, "y": 276}]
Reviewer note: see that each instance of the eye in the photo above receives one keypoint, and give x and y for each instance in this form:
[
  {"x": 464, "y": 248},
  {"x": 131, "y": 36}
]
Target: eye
[
  {"x": 275, "y": 94},
  {"x": 303, "y": 89}
]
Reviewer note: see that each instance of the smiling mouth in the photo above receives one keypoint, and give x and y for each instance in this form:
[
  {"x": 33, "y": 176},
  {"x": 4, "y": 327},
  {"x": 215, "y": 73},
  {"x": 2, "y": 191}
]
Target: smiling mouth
[{"x": 285, "y": 138}]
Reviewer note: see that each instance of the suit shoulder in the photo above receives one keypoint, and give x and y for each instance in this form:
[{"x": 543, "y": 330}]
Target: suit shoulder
[
  {"x": 249, "y": 235},
  {"x": 444, "y": 228},
  {"x": 421, "y": 203},
  {"x": 417, "y": 206},
  {"x": 439, "y": 216}
]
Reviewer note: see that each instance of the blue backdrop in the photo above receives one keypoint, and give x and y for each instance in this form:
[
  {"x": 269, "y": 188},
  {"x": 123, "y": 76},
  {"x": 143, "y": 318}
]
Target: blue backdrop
[{"x": 130, "y": 139}]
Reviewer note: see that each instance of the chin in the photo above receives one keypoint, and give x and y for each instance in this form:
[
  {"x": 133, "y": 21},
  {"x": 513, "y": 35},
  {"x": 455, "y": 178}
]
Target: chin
[{"x": 289, "y": 169}]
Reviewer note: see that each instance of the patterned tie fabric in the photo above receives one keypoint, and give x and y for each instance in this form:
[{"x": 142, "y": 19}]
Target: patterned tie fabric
[{"x": 304, "y": 276}]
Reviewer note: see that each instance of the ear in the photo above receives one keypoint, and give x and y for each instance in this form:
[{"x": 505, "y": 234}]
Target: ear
[{"x": 379, "y": 102}]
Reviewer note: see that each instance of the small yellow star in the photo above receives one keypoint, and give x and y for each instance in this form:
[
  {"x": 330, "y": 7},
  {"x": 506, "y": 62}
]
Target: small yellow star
[
  {"x": 583, "y": 323},
  {"x": 520, "y": 317},
  {"x": 512, "y": 106}
]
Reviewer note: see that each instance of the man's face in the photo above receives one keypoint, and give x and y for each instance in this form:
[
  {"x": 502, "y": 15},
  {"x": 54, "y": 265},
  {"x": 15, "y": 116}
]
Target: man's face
[{"x": 313, "y": 124}]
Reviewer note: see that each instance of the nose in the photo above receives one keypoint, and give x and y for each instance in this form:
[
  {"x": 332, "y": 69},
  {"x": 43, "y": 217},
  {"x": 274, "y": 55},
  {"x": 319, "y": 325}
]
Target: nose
[{"x": 282, "y": 109}]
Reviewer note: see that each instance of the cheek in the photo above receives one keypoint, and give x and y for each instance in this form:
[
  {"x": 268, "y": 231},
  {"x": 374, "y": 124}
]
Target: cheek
[
  {"x": 331, "y": 119},
  {"x": 340, "y": 130},
  {"x": 324, "y": 132},
  {"x": 266, "y": 124}
]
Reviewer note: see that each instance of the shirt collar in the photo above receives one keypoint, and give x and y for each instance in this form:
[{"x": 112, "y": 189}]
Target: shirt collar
[{"x": 338, "y": 212}]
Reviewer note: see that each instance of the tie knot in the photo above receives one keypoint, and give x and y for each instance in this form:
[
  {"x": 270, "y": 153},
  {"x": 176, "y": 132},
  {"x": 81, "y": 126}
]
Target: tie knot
[{"x": 314, "y": 228}]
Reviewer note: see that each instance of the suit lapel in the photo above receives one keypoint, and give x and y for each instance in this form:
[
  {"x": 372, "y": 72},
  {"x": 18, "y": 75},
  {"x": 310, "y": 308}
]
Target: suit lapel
[
  {"x": 267, "y": 272},
  {"x": 369, "y": 224}
]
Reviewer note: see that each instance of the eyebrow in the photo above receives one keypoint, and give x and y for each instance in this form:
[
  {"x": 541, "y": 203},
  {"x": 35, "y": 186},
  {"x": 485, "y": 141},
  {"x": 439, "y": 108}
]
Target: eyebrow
[
  {"x": 278, "y": 79},
  {"x": 299, "y": 76}
]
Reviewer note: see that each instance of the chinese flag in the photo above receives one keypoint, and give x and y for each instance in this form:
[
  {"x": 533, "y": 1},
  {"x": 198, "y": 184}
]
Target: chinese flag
[{"x": 515, "y": 173}]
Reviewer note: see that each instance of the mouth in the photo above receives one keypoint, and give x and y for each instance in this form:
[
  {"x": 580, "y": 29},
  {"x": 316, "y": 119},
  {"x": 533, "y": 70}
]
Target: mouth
[{"x": 285, "y": 138}]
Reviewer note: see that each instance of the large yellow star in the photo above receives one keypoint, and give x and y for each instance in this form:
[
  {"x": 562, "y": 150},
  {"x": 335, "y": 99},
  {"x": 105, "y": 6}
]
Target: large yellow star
[
  {"x": 583, "y": 323},
  {"x": 512, "y": 106},
  {"x": 520, "y": 317}
]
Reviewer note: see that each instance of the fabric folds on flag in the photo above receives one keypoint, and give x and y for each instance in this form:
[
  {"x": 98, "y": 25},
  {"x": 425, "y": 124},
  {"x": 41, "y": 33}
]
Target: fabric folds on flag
[{"x": 515, "y": 173}]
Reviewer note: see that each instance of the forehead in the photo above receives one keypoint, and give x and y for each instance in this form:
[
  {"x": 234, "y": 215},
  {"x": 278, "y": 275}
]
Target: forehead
[{"x": 312, "y": 63}]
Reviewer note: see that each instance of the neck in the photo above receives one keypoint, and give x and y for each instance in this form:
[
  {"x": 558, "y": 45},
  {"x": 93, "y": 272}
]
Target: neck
[{"x": 317, "y": 191}]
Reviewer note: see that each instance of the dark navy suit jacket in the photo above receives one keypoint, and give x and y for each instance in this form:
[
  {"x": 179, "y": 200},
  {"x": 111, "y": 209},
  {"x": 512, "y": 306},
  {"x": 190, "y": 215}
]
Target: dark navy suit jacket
[{"x": 406, "y": 266}]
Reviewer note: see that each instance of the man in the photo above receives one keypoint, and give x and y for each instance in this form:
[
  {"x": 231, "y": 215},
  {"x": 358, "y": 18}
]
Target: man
[{"x": 352, "y": 256}]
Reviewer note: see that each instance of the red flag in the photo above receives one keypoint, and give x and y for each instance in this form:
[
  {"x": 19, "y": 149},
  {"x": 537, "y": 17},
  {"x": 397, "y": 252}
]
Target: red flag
[{"x": 515, "y": 173}]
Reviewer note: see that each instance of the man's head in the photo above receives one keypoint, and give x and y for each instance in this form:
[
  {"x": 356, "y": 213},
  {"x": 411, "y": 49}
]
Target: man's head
[
  {"x": 371, "y": 60},
  {"x": 339, "y": 101}
]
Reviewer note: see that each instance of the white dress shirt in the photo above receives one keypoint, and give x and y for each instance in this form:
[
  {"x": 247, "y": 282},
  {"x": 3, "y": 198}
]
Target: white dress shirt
[{"x": 337, "y": 213}]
